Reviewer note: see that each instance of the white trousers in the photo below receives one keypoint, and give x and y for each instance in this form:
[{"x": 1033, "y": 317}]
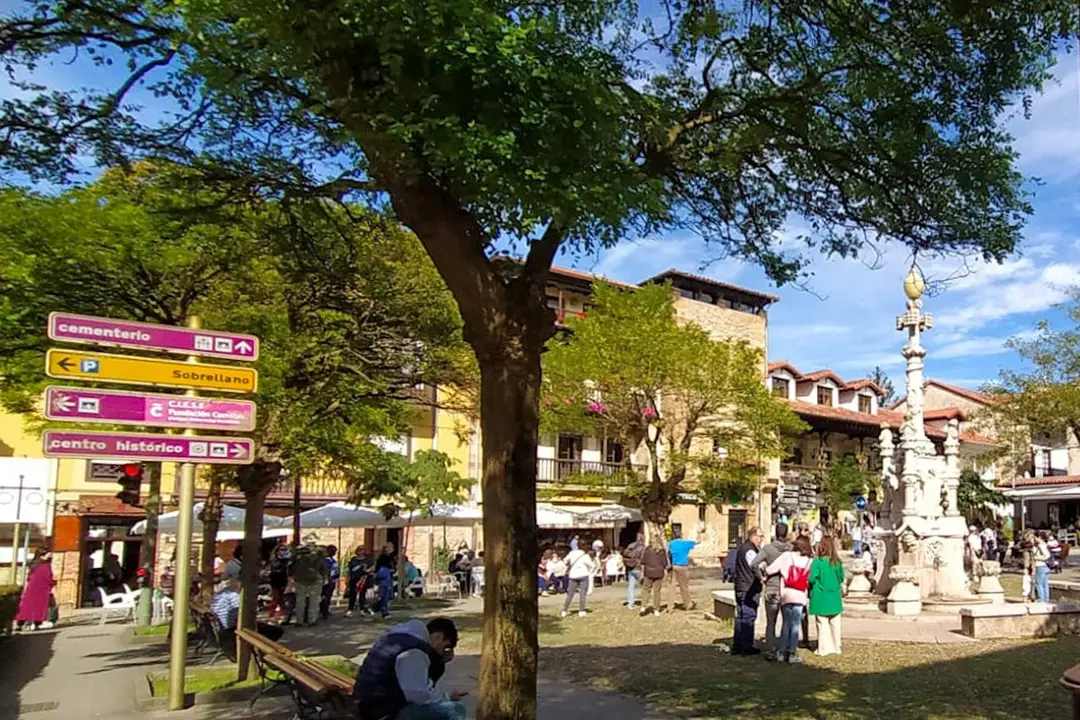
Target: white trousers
[{"x": 829, "y": 640}]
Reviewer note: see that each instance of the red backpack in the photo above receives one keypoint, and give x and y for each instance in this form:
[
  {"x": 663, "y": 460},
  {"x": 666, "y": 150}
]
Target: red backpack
[{"x": 798, "y": 578}]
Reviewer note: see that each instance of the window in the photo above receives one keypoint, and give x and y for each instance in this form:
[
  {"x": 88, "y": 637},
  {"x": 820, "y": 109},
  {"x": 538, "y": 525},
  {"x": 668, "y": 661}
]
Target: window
[
  {"x": 613, "y": 452},
  {"x": 736, "y": 527},
  {"x": 781, "y": 387},
  {"x": 701, "y": 508},
  {"x": 824, "y": 396},
  {"x": 676, "y": 530},
  {"x": 569, "y": 455},
  {"x": 865, "y": 406}
]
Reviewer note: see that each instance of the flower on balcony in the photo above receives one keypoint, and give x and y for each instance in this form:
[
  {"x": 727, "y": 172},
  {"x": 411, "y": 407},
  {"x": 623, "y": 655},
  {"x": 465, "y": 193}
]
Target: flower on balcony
[
  {"x": 649, "y": 413},
  {"x": 597, "y": 408}
]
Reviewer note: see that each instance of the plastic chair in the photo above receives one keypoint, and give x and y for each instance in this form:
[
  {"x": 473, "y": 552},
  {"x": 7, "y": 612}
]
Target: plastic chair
[{"x": 123, "y": 602}]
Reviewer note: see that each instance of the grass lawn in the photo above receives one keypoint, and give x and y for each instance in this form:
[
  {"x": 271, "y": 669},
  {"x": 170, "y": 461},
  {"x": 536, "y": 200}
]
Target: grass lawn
[
  {"x": 157, "y": 630},
  {"x": 224, "y": 678},
  {"x": 673, "y": 662}
]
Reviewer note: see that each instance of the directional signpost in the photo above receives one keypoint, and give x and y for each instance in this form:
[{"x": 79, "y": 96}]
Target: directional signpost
[
  {"x": 146, "y": 336},
  {"x": 117, "y": 407},
  {"x": 104, "y": 367},
  {"x": 186, "y": 411}
]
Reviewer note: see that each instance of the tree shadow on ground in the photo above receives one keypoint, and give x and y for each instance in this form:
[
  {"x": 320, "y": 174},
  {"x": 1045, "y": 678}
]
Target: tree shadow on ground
[
  {"x": 22, "y": 659},
  {"x": 993, "y": 681},
  {"x": 149, "y": 655}
]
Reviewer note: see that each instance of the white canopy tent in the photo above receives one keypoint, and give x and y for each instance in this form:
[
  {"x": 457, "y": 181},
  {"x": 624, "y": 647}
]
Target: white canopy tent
[
  {"x": 607, "y": 514},
  {"x": 549, "y": 516},
  {"x": 445, "y": 515},
  {"x": 232, "y": 520},
  {"x": 343, "y": 515}
]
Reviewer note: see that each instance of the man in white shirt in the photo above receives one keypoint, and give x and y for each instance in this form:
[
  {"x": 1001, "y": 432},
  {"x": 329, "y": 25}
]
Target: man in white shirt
[{"x": 399, "y": 677}]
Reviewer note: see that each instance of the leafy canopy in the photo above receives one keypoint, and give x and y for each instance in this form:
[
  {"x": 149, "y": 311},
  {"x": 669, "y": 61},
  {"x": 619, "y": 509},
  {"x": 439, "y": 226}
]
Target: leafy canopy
[
  {"x": 591, "y": 119},
  {"x": 630, "y": 371}
]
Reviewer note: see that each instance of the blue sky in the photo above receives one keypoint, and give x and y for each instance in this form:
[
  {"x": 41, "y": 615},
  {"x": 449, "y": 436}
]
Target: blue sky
[{"x": 851, "y": 326}]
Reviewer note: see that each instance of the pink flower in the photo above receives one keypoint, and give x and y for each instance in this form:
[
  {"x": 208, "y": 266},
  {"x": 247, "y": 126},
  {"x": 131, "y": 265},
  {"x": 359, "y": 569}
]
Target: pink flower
[
  {"x": 597, "y": 407},
  {"x": 648, "y": 412}
]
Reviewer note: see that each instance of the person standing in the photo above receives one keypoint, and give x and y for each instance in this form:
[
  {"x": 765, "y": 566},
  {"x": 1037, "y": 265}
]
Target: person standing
[
  {"x": 384, "y": 577},
  {"x": 279, "y": 580},
  {"x": 654, "y": 566},
  {"x": 679, "y": 549},
  {"x": 1040, "y": 557},
  {"x": 34, "y": 603},
  {"x": 867, "y": 536},
  {"x": 632, "y": 559},
  {"x": 826, "y": 596},
  {"x": 793, "y": 569},
  {"x": 768, "y": 555},
  {"x": 356, "y": 574},
  {"x": 309, "y": 576},
  {"x": 747, "y": 593},
  {"x": 333, "y": 578},
  {"x": 1027, "y": 563},
  {"x": 597, "y": 554},
  {"x": 580, "y": 567}
]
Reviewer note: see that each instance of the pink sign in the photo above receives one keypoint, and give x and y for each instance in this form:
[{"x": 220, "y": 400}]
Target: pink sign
[
  {"x": 147, "y": 336},
  {"x": 130, "y": 408},
  {"x": 152, "y": 448}
]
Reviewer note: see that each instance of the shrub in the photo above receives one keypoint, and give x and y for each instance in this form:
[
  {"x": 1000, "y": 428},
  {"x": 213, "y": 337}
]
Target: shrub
[{"x": 9, "y": 606}]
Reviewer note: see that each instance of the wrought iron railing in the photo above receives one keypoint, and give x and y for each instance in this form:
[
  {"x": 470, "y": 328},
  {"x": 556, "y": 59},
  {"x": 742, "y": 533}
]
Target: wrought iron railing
[{"x": 557, "y": 470}]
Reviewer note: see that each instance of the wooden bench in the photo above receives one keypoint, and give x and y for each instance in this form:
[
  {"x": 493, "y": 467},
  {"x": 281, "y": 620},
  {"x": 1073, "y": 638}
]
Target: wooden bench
[{"x": 318, "y": 691}]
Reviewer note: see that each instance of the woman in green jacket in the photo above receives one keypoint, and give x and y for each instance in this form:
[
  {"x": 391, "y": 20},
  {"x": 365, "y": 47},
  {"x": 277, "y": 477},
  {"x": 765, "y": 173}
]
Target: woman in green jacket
[{"x": 826, "y": 596}]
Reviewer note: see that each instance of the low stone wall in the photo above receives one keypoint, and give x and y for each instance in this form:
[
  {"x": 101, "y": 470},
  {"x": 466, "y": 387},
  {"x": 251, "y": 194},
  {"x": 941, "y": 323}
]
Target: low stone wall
[
  {"x": 724, "y": 604},
  {"x": 1016, "y": 620},
  {"x": 1061, "y": 591}
]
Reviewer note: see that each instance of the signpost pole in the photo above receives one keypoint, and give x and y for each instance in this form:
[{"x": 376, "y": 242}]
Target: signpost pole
[
  {"x": 182, "y": 587},
  {"x": 15, "y": 536}
]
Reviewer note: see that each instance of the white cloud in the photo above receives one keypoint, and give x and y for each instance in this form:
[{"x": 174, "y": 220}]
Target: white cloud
[{"x": 1049, "y": 143}]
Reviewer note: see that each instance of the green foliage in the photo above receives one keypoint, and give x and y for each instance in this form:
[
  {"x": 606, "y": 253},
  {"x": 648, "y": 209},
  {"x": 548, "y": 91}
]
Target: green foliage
[
  {"x": 350, "y": 313},
  {"x": 881, "y": 379},
  {"x": 416, "y": 486},
  {"x": 975, "y": 499},
  {"x": 9, "y": 605},
  {"x": 841, "y": 482},
  {"x": 628, "y": 370}
]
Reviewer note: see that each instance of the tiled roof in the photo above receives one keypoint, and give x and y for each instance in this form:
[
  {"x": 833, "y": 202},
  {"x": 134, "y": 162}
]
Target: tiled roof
[
  {"x": 945, "y": 413},
  {"x": 976, "y": 439},
  {"x": 884, "y": 417},
  {"x": 571, "y": 273},
  {"x": 974, "y": 396},
  {"x": 820, "y": 374},
  {"x": 1037, "y": 481},
  {"x": 673, "y": 273}
]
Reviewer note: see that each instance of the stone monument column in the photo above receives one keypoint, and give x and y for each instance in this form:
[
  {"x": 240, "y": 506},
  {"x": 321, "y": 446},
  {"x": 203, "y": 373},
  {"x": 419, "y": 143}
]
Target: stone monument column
[{"x": 952, "y": 466}]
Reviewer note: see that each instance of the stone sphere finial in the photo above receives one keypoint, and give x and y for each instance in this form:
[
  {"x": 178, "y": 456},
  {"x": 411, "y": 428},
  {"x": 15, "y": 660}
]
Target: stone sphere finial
[{"x": 914, "y": 284}]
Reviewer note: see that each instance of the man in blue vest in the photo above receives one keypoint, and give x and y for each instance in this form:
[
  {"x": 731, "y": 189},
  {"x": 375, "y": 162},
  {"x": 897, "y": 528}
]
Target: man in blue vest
[
  {"x": 747, "y": 593},
  {"x": 399, "y": 676}
]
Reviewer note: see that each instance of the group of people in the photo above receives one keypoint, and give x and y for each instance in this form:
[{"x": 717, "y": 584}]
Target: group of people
[
  {"x": 1036, "y": 561},
  {"x": 795, "y": 578}
]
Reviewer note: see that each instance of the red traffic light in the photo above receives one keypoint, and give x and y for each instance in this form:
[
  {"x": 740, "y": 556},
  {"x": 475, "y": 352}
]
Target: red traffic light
[{"x": 133, "y": 470}]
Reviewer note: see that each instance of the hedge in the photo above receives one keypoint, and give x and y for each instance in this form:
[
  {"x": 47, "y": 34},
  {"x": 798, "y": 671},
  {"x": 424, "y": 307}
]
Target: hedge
[{"x": 9, "y": 606}]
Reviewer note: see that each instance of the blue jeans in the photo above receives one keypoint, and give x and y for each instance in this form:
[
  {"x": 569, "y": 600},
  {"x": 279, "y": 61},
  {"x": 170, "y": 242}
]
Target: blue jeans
[
  {"x": 445, "y": 710},
  {"x": 746, "y": 605},
  {"x": 386, "y": 588},
  {"x": 857, "y": 547},
  {"x": 1042, "y": 583},
  {"x": 633, "y": 577},
  {"x": 789, "y": 633}
]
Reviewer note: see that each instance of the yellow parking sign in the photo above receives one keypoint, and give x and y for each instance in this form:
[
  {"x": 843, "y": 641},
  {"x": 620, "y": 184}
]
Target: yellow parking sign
[{"x": 105, "y": 367}]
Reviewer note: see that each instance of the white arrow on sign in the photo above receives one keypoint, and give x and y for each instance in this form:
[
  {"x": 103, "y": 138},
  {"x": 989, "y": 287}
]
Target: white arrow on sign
[
  {"x": 238, "y": 451},
  {"x": 63, "y": 403},
  {"x": 244, "y": 347}
]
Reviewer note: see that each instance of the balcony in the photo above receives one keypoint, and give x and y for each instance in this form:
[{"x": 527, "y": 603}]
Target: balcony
[
  {"x": 556, "y": 470},
  {"x": 561, "y": 315},
  {"x": 314, "y": 491}
]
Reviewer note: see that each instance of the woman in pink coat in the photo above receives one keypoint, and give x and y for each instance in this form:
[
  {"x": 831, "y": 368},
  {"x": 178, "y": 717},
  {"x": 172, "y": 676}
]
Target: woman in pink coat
[{"x": 34, "y": 604}]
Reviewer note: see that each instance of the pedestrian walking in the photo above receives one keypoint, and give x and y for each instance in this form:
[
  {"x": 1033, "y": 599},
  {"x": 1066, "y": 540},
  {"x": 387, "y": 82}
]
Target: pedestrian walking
[
  {"x": 654, "y": 566},
  {"x": 333, "y": 578},
  {"x": 1040, "y": 557},
  {"x": 771, "y": 584},
  {"x": 580, "y": 567},
  {"x": 632, "y": 559},
  {"x": 679, "y": 549},
  {"x": 747, "y": 593},
  {"x": 309, "y": 575},
  {"x": 793, "y": 568},
  {"x": 34, "y": 603},
  {"x": 826, "y": 596}
]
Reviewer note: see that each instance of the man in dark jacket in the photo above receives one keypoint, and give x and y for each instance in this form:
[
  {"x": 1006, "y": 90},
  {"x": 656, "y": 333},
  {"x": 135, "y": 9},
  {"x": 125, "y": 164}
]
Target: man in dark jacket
[
  {"x": 747, "y": 593},
  {"x": 399, "y": 675},
  {"x": 768, "y": 554}
]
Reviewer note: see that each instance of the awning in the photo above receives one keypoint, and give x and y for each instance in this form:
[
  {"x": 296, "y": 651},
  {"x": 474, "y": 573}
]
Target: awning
[
  {"x": 612, "y": 514},
  {"x": 445, "y": 515},
  {"x": 232, "y": 519},
  {"x": 343, "y": 515},
  {"x": 1059, "y": 492}
]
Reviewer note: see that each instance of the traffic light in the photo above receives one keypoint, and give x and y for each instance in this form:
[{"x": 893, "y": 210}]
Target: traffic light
[{"x": 130, "y": 484}]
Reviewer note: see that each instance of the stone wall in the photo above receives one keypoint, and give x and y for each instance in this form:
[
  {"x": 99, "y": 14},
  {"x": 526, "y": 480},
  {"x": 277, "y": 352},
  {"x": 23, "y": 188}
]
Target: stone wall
[
  {"x": 724, "y": 323},
  {"x": 1015, "y": 620}
]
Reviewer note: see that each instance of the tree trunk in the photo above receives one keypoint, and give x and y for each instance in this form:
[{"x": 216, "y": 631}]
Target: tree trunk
[
  {"x": 148, "y": 549},
  {"x": 211, "y": 521},
  {"x": 256, "y": 481},
  {"x": 509, "y": 427}
]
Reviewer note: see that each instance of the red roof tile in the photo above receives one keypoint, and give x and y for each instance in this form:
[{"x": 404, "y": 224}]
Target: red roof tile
[
  {"x": 945, "y": 413},
  {"x": 976, "y": 439},
  {"x": 672, "y": 272},
  {"x": 884, "y": 417},
  {"x": 974, "y": 396},
  {"x": 1036, "y": 481},
  {"x": 821, "y": 374},
  {"x": 785, "y": 365}
]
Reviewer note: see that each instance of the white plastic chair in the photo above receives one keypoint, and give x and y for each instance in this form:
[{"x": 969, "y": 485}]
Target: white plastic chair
[{"x": 123, "y": 602}]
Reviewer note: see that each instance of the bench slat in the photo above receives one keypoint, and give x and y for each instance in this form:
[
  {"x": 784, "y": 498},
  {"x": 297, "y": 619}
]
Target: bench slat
[{"x": 299, "y": 672}]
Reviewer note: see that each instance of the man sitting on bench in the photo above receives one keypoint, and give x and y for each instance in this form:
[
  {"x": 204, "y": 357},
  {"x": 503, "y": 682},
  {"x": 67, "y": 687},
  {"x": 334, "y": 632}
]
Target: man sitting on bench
[
  {"x": 398, "y": 678},
  {"x": 226, "y": 606}
]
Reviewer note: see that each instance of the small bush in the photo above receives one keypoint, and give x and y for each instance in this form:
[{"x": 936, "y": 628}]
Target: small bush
[{"x": 9, "y": 606}]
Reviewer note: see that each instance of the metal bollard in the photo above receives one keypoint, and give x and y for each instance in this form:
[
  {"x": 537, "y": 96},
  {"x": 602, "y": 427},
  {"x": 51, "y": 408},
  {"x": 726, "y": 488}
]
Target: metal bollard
[{"x": 1070, "y": 680}]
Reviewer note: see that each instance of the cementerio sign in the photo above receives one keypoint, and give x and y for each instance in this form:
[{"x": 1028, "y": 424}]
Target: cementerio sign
[{"x": 86, "y": 329}]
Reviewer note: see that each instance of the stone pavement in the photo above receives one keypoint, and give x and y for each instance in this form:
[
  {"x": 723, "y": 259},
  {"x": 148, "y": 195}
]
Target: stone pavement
[{"x": 89, "y": 671}]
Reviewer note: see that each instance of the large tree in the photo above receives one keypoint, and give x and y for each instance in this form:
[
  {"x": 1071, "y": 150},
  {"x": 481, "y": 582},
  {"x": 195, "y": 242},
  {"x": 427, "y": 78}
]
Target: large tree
[
  {"x": 548, "y": 126},
  {"x": 630, "y": 371}
]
